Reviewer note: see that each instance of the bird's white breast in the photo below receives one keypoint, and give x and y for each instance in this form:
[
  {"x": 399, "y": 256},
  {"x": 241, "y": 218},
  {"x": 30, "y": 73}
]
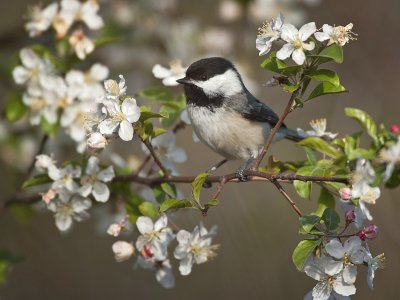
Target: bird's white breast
[{"x": 227, "y": 132}]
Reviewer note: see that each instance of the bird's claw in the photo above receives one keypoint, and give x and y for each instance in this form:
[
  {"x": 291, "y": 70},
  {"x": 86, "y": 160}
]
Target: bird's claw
[{"x": 240, "y": 175}]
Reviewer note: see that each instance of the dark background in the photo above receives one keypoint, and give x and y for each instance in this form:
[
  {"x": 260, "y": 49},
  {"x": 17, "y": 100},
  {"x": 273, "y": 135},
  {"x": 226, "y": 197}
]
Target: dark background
[{"x": 257, "y": 228}]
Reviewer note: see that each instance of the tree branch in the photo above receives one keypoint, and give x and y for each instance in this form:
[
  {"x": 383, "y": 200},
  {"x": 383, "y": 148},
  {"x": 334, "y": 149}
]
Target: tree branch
[
  {"x": 274, "y": 131},
  {"x": 155, "y": 157},
  {"x": 287, "y": 197},
  {"x": 222, "y": 180}
]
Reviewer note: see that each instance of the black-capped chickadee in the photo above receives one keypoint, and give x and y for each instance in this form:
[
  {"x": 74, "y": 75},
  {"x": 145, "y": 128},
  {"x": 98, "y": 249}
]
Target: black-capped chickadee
[{"x": 225, "y": 115}]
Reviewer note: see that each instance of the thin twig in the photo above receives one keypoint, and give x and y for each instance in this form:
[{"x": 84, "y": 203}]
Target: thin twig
[
  {"x": 155, "y": 157},
  {"x": 42, "y": 144},
  {"x": 274, "y": 131},
  {"x": 287, "y": 197}
]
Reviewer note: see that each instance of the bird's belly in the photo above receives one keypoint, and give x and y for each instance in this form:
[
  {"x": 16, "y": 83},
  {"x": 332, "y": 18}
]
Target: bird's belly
[{"x": 227, "y": 132}]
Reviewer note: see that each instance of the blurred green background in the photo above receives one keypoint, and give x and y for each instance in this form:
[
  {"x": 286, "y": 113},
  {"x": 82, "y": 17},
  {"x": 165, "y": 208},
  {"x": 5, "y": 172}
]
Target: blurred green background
[{"x": 257, "y": 228}]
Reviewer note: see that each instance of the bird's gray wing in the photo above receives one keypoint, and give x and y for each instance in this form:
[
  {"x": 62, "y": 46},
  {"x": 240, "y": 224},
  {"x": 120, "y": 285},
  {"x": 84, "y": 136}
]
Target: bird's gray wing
[{"x": 258, "y": 111}]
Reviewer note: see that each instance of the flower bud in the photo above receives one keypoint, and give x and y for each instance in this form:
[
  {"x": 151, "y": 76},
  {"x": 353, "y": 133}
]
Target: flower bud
[
  {"x": 350, "y": 216},
  {"x": 395, "y": 129},
  {"x": 345, "y": 193},
  {"x": 369, "y": 232},
  {"x": 122, "y": 250},
  {"x": 114, "y": 229},
  {"x": 97, "y": 140}
]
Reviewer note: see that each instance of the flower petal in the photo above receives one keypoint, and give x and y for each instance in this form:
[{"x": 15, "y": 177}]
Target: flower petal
[
  {"x": 350, "y": 274},
  {"x": 108, "y": 126},
  {"x": 144, "y": 225},
  {"x": 100, "y": 191},
  {"x": 285, "y": 51},
  {"x": 307, "y": 30},
  {"x": 125, "y": 131},
  {"x": 298, "y": 56},
  {"x": 335, "y": 249},
  {"x": 106, "y": 175},
  {"x": 130, "y": 110},
  {"x": 289, "y": 33}
]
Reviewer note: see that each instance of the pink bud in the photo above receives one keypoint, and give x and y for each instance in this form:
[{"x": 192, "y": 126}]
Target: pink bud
[
  {"x": 345, "y": 193},
  {"x": 371, "y": 231},
  {"x": 350, "y": 216},
  {"x": 395, "y": 129}
]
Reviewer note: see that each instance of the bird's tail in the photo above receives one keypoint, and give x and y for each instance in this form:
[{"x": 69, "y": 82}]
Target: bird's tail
[{"x": 294, "y": 135}]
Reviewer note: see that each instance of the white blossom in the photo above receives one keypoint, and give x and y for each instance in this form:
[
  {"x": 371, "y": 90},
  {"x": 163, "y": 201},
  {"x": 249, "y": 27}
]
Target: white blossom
[
  {"x": 169, "y": 76},
  {"x": 374, "y": 263},
  {"x": 162, "y": 269},
  {"x": 113, "y": 89},
  {"x": 319, "y": 129},
  {"x": 40, "y": 19},
  {"x": 390, "y": 156},
  {"x": 74, "y": 10},
  {"x": 155, "y": 237},
  {"x": 348, "y": 255},
  {"x": 194, "y": 247},
  {"x": 81, "y": 44},
  {"x": 366, "y": 195},
  {"x": 93, "y": 182},
  {"x": 121, "y": 117},
  {"x": 97, "y": 141},
  {"x": 296, "y": 42},
  {"x": 122, "y": 250},
  {"x": 268, "y": 33},
  {"x": 64, "y": 178},
  {"x": 33, "y": 68},
  {"x": 364, "y": 173},
  {"x": 340, "y": 35},
  {"x": 66, "y": 210},
  {"x": 43, "y": 162},
  {"x": 330, "y": 278}
]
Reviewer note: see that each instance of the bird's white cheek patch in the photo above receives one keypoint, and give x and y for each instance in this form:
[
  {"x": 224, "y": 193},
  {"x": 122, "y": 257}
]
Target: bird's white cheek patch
[{"x": 227, "y": 84}]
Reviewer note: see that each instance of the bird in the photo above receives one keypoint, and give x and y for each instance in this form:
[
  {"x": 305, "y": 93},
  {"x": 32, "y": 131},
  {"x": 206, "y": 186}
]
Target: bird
[{"x": 226, "y": 116}]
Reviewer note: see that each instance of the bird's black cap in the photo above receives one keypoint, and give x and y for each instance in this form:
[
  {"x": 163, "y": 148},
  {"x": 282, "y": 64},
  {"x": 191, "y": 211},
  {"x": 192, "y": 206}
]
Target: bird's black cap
[{"x": 205, "y": 69}]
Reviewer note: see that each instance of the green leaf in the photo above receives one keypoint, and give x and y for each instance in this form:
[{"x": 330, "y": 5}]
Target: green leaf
[
  {"x": 212, "y": 202},
  {"x": 148, "y": 209},
  {"x": 325, "y": 200},
  {"x": 158, "y": 131},
  {"x": 326, "y": 76},
  {"x": 325, "y": 88},
  {"x": 333, "y": 52},
  {"x": 320, "y": 145},
  {"x": 308, "y": 222},
  {"x": 303, "y": 250},
  {"x": 15, "y": 109},
  {"x": 146, "y": 113},
  {"x": 132, "y": 208},
  {"x": 290, "y": 88},
  {"x": 331, "y": 219},
  {"x": 278, "y": 66},
  {"x": 7, "y": 259},
  {"x": 303, "y": 188},
  {"x": 36, "y": 180},
  {"x": 170, "y": 204},
  {"x": 197, "y": 185},
  {"x": 365, "y": 120},
  {"x": 22, "y": 212},
  {"x": 169, "y": 189}
]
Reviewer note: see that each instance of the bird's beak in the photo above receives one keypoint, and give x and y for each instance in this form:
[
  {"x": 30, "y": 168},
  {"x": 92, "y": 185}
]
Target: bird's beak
[{"x": 184, "y": 80}]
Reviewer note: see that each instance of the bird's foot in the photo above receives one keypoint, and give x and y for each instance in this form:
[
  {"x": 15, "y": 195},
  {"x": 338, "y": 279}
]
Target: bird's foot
[
  {"x": 240, "y": 175},
  {"x": 207, "y": 185}
]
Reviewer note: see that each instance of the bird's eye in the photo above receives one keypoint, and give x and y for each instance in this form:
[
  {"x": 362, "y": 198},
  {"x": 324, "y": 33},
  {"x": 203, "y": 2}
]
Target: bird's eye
[{"x": 204, "y": 77}]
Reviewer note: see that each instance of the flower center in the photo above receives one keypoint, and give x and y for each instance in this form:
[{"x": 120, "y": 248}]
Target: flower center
[{"x": 297, "y": 43}]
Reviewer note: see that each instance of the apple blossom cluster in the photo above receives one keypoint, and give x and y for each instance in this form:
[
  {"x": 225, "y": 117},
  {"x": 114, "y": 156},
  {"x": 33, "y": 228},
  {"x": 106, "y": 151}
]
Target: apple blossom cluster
[
  {"x": 116, "y": 115},
  {"x": 171, "y": 74},
  {"x": 53, "y": 98},
  {"x": 361, "y": 192},
  {"x": 297, "y": 41},
  {"x": 62, "y": 18},
  {"x": 152, "y": 247},
  {"x": 69, "y": 194},
  {"x": 336, "y": 268}
]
